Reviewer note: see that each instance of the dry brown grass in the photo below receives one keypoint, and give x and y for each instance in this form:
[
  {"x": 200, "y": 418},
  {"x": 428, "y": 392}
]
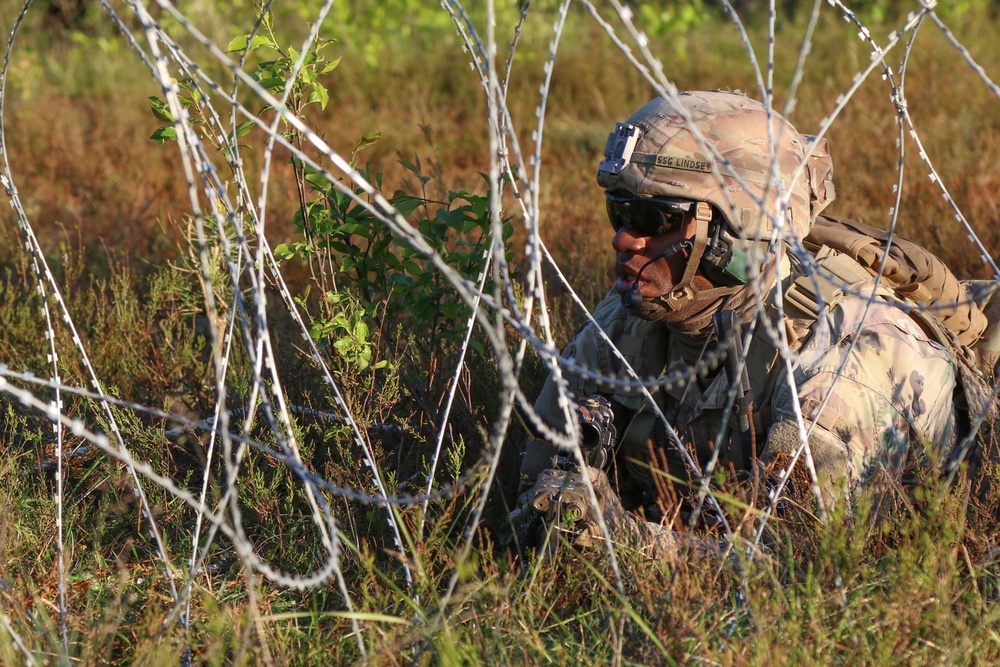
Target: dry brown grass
[{"x": 84, "y": 164}]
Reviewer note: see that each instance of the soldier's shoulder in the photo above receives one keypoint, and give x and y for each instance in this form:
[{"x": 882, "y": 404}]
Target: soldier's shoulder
[
  {"x": 616, "y": 322},
  {"x": 608, "y": 316},
  {"x": 610, "y": 310}
]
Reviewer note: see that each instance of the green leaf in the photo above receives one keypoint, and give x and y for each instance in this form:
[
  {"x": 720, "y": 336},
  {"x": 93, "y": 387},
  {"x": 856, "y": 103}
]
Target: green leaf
[
  {"x": 319, "y": 94},
  {"x": 160, "y": 109},
  {"x": 477, "y": 346},
  {"x": 243, "y": 128},
  {"x": 238, "y": 44},
  {"x": 403, "y": 280},
  {"x": 423, "y": 311},
  {"x": 415, "y": 168},
  {"x": 361, "y": 331},
  {"x": 272, "y": 83},
  {"x": 392, "y": 262},
  {"x": 342, "y": 199},
  {"x": 241, "y": 43},
  {"x": 450, "y": 219},
  {"x": 162, "y": 134},
  {"x": 480, "y": 208},
  {"x": 409, "y": 166},
  {"x": 299, "y": 221},
  {"x": 368, "y": 139},
  {"x": 318, "y": 181},
  {"x": 330, "y": 66},
  {"x": 351, "y": 228},
  {"x": 406, "y": 204},
  {"x": 283, "y": 252}
]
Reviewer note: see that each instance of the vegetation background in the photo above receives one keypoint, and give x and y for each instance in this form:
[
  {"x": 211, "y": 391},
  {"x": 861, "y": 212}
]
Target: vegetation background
[{"x": 111, "y": 212}]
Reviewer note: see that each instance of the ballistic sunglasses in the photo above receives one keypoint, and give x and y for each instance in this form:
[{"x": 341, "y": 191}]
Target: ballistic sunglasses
[{"x": 647, "y": 216}]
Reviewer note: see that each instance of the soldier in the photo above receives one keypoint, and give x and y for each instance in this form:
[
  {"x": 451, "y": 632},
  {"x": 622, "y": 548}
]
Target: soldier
[{"x": 711, "y": 197}]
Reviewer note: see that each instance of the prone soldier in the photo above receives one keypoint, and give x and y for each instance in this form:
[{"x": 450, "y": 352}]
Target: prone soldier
[{"x": 812, "y": 322}]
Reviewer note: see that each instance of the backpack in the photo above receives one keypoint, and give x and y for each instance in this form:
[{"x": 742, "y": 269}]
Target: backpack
[{"x": 964, "y": 316}]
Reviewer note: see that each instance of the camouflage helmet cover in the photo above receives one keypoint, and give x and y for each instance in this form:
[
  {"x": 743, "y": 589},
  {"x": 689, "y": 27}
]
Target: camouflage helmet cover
[{"x": 656, "y": 154}]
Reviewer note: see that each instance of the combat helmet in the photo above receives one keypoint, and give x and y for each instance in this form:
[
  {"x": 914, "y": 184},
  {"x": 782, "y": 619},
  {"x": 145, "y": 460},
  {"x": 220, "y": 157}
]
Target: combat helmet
[{"x": 656, "y": 154}]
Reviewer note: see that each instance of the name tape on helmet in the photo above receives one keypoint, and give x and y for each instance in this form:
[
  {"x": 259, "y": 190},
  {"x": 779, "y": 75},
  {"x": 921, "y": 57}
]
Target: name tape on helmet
[
  {"x": 618, "y": 150},
  {"x": 672, "y": 162},
  {"x": 682, "y": 163}
]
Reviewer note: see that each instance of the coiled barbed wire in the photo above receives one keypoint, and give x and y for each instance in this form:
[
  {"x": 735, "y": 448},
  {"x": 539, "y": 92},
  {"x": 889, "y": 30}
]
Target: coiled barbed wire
[{"x": 239, "y": 229}]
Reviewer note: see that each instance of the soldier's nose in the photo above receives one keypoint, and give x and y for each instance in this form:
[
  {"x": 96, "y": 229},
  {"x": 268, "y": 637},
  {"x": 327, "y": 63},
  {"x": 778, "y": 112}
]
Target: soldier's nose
[{"x": 626, "y": 240}]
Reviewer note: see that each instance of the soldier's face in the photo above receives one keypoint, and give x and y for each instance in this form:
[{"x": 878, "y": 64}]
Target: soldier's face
[{"x": 636, "y": 251}]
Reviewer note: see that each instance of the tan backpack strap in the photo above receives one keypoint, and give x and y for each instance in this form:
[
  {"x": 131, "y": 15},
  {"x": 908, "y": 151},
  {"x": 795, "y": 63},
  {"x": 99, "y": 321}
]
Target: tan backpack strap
[
  {"x": 808, "y": 295},
  {"x": 913, "y": 273}
]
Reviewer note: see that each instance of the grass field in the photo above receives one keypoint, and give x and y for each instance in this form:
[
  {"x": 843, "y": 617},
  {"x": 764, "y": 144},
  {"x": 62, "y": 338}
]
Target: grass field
[{"x": 411, "y": 583}]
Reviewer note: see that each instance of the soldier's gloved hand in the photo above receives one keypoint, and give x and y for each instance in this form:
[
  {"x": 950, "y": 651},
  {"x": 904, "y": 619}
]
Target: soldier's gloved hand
[{"x": 562, "y": 497}]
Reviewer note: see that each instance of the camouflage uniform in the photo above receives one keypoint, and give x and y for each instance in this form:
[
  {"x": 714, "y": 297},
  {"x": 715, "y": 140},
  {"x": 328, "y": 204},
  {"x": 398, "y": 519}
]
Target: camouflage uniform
[
  {"x": 886, "y": 395},
  {"x": 882, "y": 388}
]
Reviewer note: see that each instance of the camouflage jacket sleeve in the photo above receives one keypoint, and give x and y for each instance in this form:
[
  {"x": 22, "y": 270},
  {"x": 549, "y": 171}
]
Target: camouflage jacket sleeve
[
  {"x": 879, "y": 390},
  {"x": 643, "y": 344}
]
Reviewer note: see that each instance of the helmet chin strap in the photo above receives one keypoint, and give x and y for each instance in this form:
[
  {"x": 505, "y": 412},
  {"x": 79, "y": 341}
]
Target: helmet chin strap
[
  {"x": 702, "y": 305},
  {"x": 685, "y": 291}
]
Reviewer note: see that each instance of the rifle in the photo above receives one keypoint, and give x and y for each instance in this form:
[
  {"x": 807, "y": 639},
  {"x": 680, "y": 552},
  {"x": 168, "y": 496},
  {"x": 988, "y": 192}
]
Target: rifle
[{"x": 598, "y": 439}]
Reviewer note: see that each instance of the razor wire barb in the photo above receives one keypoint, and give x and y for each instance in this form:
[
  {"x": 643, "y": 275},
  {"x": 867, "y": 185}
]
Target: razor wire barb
[{"x": 237, "y": 227}]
